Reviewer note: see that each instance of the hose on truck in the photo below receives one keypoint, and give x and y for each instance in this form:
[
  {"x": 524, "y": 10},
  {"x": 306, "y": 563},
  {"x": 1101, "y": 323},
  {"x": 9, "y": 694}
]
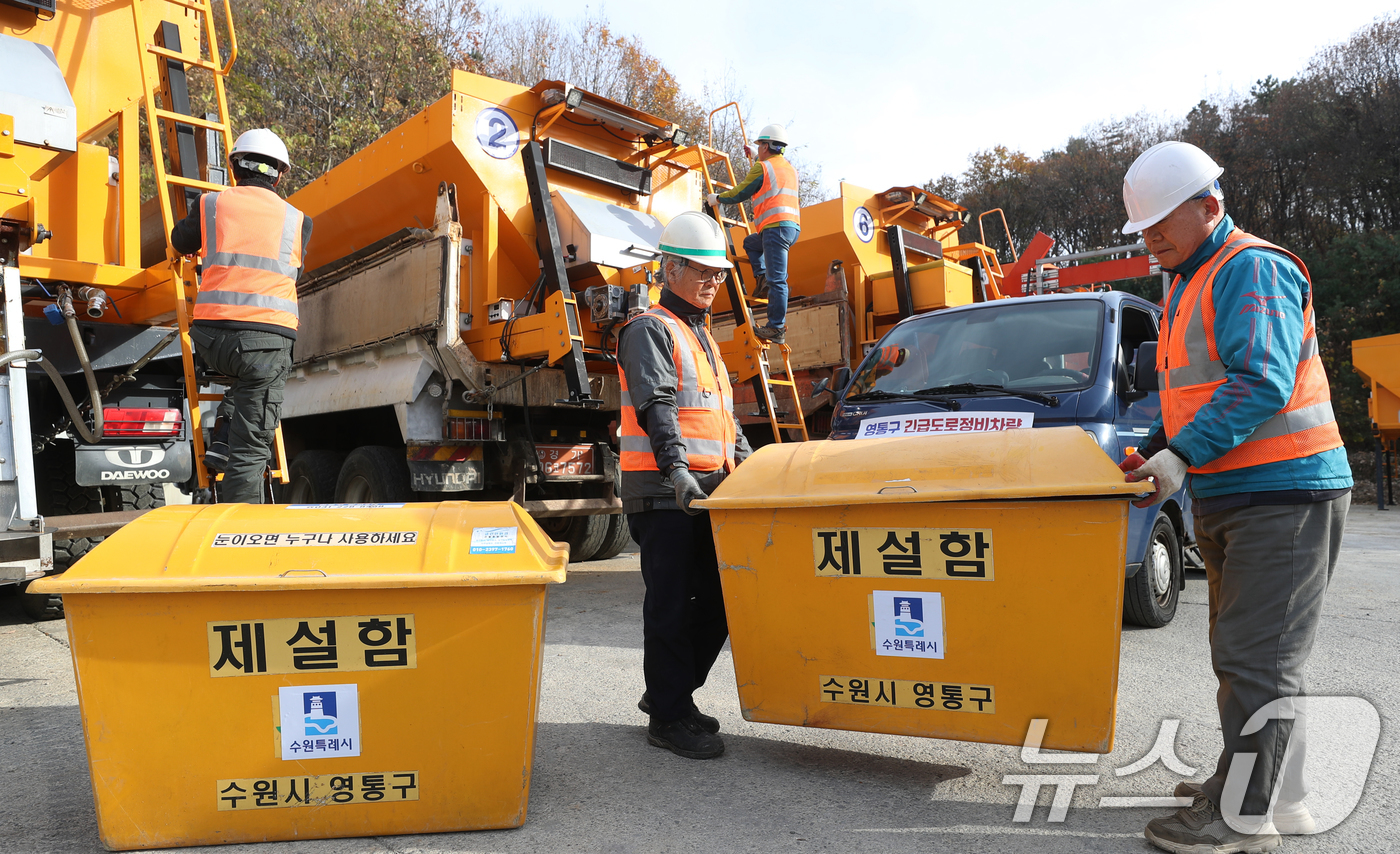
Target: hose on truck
[{"x": 74, "y": 415}]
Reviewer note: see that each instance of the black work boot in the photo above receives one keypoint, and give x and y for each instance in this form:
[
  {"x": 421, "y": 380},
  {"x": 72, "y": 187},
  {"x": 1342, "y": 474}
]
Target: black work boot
[
  {"x": 216, "y": 454},
  {"x": 707, "y": 723},
  {"x": 216, "y": 457},
  {"x": 685, "y": 737},
  {"x": 760, "y": 288}
]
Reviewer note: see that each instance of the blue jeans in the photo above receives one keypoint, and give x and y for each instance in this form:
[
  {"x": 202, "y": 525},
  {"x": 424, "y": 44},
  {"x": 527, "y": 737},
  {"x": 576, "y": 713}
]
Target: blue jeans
[{"x": 769, "y": 249}]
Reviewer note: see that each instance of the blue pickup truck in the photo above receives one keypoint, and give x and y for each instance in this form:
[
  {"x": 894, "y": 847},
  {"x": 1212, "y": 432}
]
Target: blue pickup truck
[{"x": 1050, "y": 360}]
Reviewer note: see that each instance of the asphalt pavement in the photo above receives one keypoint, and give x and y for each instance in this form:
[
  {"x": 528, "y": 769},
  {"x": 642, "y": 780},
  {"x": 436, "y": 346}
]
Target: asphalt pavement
[{"x": 598, "y": 787}]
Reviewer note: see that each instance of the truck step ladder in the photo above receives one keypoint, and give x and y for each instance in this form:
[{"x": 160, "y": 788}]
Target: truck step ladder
[
  {"x": 174, "y": 119},
  {"x": 764, "y": 383}
]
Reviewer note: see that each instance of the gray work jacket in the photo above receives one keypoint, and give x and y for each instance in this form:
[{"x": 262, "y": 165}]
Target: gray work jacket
[{"x": 644, "y": 351}]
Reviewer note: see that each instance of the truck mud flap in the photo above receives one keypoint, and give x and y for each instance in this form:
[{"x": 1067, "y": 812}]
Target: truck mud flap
[{"x": 118, "y": 465}]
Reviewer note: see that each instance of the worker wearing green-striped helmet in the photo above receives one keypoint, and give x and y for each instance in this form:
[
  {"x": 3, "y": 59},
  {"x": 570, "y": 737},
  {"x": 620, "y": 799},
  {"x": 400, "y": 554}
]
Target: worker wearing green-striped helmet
[{"x": 693, "y": 257}]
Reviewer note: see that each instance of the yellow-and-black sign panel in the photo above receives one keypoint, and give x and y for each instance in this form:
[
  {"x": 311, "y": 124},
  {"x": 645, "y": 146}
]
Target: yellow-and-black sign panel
[
  {"x": 312, "y": 645},
  {"x": 949, "y": 553}
]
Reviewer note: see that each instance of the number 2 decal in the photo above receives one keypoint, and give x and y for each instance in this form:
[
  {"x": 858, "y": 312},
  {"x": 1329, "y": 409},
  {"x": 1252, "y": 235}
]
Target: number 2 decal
[{"x": 496, "y": 133}]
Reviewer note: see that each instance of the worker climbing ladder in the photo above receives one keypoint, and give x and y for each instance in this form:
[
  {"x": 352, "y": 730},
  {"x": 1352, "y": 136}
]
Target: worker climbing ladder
[
  {"x": 174, "y": 120},
  {"x": 758, "y": 370}
]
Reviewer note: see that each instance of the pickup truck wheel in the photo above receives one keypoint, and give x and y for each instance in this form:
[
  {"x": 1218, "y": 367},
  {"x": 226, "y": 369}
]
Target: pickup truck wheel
[
  {"x": 617, "y": 539},
  {"x": 1150, "y": 596},
  {"x": 373, "y": 474},
  {"x": 313, "y": 475},
  {"x": 584, "y": 534}
]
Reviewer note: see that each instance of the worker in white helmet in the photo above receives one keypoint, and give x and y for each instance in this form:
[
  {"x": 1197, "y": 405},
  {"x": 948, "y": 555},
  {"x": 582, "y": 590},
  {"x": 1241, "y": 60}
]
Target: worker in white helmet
[
  {"x": 772, "y": 184},
  {"x": 251, "y": 244},
  {"x": 1247, "y": 414},
  {"x": 678, "y": 440}
]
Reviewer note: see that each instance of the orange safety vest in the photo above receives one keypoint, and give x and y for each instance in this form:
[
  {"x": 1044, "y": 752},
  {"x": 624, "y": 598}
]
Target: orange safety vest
[
  {"x": 1189, "y": 371},
  {"x": 775, "y": 203},
  {"x": 704, "y": 400},
  {"x": 251, "y": 252}
]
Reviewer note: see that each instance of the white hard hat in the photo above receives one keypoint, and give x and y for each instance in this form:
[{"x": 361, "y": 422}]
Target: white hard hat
[
  {"x": 265, "y": 143},
  {"x": 1163, "y": 177},
  {"x": 776, "y": 134},
  {"x": 695, "y": 237}
]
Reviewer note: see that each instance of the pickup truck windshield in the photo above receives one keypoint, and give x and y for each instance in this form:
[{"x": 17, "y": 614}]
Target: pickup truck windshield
[{"x": 1021, "y": 345}]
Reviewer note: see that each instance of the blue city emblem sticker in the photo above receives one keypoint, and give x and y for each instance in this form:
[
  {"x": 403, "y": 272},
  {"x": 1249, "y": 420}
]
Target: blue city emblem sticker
[
  {"x": 908, "y": 617},
  {"x": 320, "y": 713},
  {"x": 319, "y": 721},
  {"x": 907, "y": 624}
]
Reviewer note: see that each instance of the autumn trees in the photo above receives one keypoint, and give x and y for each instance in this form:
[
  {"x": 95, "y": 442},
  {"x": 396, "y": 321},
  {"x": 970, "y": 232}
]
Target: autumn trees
[{"x": 1311, "y": 163}]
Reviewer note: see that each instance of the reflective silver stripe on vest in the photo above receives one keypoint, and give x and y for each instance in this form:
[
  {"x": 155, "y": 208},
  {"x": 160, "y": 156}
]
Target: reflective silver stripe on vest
[
  {"x": 634, "y": 444},
  {"x": 251, "y": 262},
  {"x": 211, "y": 228},
  {"x": 219, "y": 296},
  {"x": 1308, "y": 350},
  {"x": 291, "y": 232},
  {"x": 686, "y": 399},
  {"x": 697, "y": 447},
  {"x": 1287, "y": 423}
]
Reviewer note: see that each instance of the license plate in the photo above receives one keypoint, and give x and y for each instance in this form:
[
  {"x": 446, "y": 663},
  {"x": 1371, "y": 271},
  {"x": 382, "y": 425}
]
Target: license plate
[{"x": 565, "y": 460}]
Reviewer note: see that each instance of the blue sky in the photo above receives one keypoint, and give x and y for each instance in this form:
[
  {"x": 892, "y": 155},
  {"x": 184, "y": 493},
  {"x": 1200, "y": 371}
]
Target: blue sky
[{"x": 890, "y": 93}]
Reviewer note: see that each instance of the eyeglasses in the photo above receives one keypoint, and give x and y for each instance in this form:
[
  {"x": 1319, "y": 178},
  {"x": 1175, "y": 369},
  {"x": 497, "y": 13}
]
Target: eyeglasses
[{"x": 709, "y": 274}]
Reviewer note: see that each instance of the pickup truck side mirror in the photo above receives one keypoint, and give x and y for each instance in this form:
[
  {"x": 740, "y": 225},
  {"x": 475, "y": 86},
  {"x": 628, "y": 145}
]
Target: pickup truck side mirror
[
  {"x": 834, "y": 385},
  {"x": 1145, "y": 367}
]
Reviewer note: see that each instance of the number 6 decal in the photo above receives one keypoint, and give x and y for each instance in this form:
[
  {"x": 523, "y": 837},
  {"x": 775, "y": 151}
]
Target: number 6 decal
[{"x": 496, "y": 133}]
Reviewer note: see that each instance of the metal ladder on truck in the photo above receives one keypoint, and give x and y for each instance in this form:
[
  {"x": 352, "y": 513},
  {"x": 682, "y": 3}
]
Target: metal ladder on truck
[
  {"x": 760, "y": 371},
  {"x": 175, "y": 120}
]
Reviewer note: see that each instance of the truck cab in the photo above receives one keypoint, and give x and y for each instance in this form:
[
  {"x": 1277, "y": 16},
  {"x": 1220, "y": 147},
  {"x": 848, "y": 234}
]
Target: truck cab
[{"x": 1042, "y": 361}]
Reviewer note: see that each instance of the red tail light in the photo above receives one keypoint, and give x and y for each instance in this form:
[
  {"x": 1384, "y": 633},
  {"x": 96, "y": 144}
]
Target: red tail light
[{"x": 141, "y": 423}]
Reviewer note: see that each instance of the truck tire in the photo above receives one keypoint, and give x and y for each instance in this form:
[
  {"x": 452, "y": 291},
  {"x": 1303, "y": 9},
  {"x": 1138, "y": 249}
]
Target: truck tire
[
  {"x": 373, "y": 474},
  {"x": 140, "y": 496},
  {"x": 617, "y": 539},
  {"x": 313, "y": 476},
  {"x": 584, "y": 534},
  {"x": 1150, "y": 596},
  {"x": 58, "y": 495}
]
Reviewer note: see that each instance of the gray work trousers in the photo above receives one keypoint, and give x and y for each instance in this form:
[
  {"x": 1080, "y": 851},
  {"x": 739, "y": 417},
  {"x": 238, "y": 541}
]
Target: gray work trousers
[
  {"x": 1268, "y": 568},
  {"x": 258, "y": 364}
]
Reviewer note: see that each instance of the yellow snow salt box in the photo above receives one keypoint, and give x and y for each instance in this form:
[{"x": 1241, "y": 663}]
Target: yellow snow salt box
[
  {"x": 956, "y": 586},
  {"x": 249, "y": 673}
]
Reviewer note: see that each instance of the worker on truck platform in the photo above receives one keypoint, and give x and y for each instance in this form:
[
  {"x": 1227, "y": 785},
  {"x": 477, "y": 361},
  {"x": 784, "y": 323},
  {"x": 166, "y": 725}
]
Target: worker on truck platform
[
  {"x": 1247, "y": 413},
  {"x": 679, "y": 439},
  {"x": 772, "y": 184},
  {"x": 252, "y": 245}
]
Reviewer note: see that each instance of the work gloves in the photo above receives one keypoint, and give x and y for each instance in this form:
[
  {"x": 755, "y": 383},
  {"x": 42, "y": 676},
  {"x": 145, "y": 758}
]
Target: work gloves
[
  {"x": 713, "y": 199},
  {"x": 1166, "y": 469},
  {"x": 687, "y": 490}
]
